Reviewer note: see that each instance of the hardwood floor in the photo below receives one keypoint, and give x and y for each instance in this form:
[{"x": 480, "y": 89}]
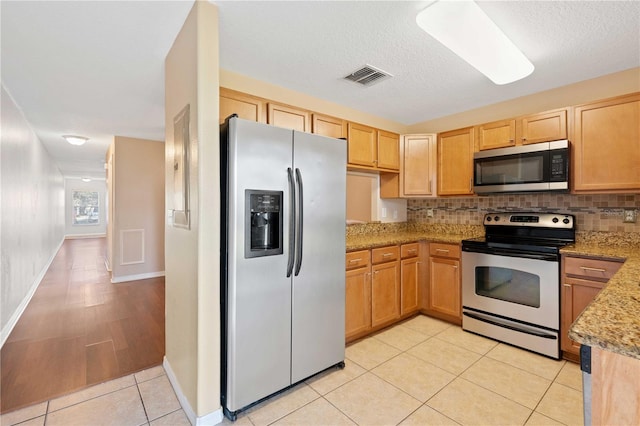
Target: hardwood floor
[{"x": 79, "y": 329}]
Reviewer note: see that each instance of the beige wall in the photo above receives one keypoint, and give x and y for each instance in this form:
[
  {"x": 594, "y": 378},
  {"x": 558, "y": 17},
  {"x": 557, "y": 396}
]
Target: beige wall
[
  {"x": 32, "y": 212},
  {"x": 192, "y": 255},
  {"x": 603, "y": 87},
  {"x": 137, "y": 231}
]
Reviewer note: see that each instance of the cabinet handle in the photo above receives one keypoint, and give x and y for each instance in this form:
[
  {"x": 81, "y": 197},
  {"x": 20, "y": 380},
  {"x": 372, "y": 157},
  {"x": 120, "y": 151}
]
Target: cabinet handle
[
  {"x": 586, "y": 268},
  {"x": 355, "y": 260}
]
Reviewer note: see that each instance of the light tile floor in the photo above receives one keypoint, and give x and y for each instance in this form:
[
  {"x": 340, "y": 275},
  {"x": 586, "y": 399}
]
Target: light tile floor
[{"x": 420, "y": 372}]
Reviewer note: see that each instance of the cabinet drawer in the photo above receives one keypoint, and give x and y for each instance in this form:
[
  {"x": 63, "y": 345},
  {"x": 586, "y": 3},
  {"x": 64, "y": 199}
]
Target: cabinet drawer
[
  {"x": 357, "y": 259},
  {"x": 385, "y": 254},
  {"x": 590, "y": 268},
  {"x": 409, "y": 250},
  {"x": 444, "y": 250}
]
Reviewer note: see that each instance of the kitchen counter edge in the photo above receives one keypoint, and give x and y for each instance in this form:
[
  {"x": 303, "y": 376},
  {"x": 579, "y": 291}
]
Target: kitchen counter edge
[{"x": 611, "y": 321}]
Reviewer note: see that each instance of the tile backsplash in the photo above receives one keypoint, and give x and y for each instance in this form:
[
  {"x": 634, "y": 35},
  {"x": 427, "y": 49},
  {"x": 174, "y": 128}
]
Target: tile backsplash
[{"x": 602, "y": 212}]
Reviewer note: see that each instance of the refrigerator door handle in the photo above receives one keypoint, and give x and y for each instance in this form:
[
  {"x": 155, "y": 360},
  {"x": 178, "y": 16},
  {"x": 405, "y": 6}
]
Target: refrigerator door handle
[
  {"x": 292, "y": 213},
  {"x": 299, "y": 223}
]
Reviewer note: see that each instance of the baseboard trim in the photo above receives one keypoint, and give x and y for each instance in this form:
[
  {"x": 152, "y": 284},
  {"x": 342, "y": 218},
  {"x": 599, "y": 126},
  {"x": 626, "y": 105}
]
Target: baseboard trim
[
  {"x": 210, "y": 419},
  {"x": 81, "y": 236},
  {"x": 8, "y": 328},
  {"x": 125, "y": 278}
]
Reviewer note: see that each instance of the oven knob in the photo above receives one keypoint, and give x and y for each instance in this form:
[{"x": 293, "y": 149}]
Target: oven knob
[
  {"x": 555, "y": 220},
  {"x": 496, "y": 218},
  {"x": 565, "y": 221}
]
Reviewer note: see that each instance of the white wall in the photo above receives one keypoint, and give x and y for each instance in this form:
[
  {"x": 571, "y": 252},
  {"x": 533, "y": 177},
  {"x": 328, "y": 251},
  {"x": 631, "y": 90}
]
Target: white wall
[
  {"x": 75, "y": 231},
  {"x": 32, "y": 214}
]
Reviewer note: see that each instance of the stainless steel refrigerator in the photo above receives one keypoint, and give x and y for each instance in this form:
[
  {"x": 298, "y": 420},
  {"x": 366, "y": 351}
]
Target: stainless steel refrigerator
[{"x": 283, "y": 257}]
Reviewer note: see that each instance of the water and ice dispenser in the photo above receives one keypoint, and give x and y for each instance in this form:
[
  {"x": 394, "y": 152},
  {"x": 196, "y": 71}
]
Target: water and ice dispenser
[{"x": 263, "y": 223}]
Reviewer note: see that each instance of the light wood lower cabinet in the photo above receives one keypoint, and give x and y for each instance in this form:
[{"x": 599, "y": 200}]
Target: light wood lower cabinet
[
  {"x": 385, "y": 285},
  {"x": 582, "y": 280},
  {"x": 358, "y": 294},
  {"x": 444, "y": 282},
  {"x": 409, "y": 278}
]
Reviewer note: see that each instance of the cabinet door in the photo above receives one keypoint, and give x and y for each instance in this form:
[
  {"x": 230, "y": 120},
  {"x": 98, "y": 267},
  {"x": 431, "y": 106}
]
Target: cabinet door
[
  {"x": 288, "y": 117},
  {"x": 357, "y": 302},
  {"x": 444, "y": 286},
  {"x": 455, "y": 162},
  {"x": 361, "y": 145},
  {"x": 576, "y": 295},
  {"x": 409, "y": 289},
  {"x": 385, "y": 293},
  {"x": 498, "y": 134},
  {"x": 388, "y": 150},
  {"x": 329, "y": 126},
  {"x": 247, "y": 107},
  {"x": 543, "y": 127},
  {"x": 606, "y": 145},
  {"x": 418, "y": 157}
]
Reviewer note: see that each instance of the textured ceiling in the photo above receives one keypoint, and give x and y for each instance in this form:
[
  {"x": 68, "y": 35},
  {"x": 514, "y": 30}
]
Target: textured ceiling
[{"x": 96, "y": 68}]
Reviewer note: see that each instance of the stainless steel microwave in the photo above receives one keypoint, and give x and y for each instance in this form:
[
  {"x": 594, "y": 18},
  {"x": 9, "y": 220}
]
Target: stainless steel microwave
[{"x": 528, "y": 168}]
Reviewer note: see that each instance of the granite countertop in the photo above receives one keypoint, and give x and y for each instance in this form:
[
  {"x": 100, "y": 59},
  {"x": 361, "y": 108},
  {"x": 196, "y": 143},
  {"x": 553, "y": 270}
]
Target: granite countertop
[
  {"x": 612, "y": 320},
  {"x": 363, "y": 242}
]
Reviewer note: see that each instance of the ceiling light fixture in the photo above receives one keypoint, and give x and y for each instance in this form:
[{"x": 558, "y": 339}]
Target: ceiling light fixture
[
  {"x": 466, "y": 30},
  {"x": 75, "y": 140}
]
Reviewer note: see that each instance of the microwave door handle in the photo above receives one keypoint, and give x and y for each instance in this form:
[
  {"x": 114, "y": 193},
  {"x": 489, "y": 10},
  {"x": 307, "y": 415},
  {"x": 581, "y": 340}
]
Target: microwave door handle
[{"x": 292, "y": 215}]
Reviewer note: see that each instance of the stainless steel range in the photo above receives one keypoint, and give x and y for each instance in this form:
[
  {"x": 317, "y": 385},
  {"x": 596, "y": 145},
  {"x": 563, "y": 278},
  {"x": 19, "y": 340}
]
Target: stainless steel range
[{"x": 511, "y": 279}]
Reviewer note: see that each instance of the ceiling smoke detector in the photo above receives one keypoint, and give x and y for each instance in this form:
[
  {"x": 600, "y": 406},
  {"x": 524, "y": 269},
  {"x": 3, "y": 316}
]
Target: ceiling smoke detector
[{"x": 368, "y": 75}]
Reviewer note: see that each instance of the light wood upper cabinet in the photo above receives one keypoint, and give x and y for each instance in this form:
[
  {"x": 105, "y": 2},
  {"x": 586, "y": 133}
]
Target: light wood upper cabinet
[
  {"x": 543, "y": 127},
  {"x": 606, "y": 145},
  {"x": 329, "y": 126},
  {"x": 418, "y": 165},
  {"x": 455, "y": 162},
  {"x": 288, "y": 117},
  {"x": 498, "y": 134},
  {"x": 388, "y": 150},
  {"x": 362, "y": 145},
  {"x": 245, "y": 106},
  {"x": 373, "y": 149}
]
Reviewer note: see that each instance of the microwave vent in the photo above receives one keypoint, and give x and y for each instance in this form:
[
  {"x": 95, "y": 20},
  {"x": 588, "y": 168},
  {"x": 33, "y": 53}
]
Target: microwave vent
[{"x": 368, "y": 75}]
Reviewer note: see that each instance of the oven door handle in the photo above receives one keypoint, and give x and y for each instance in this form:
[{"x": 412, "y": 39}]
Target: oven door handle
[
  {"x": 512, "y": 253},
  {"x": 510, "y": 327}
]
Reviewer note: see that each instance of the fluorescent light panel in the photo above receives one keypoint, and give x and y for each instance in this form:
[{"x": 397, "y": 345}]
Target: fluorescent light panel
[{"x": 466, "y": 30}]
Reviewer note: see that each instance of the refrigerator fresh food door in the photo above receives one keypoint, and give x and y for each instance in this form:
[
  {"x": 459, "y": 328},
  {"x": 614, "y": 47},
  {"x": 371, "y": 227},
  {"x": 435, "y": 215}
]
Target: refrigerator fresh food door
[
  {"x": 259, "y": 293},
  {"x": 318, "y": 288}
]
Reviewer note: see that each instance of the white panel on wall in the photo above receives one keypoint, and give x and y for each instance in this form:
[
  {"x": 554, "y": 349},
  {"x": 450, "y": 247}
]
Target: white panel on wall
[{"x": 131, "y": 246}]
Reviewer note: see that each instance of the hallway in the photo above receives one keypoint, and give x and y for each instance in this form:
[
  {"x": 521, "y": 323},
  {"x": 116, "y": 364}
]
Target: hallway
[{"x": 79, "y": 329}]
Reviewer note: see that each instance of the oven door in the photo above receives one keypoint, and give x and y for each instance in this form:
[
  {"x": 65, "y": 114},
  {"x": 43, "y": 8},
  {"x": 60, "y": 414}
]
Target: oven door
[{"x": 518, "y": 288}]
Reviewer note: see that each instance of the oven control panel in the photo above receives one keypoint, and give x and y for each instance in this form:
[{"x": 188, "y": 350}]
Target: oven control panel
[{"x": 542, "y": 220}]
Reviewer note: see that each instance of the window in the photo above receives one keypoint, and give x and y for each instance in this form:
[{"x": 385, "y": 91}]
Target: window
[{"x": 86, "y": 208}]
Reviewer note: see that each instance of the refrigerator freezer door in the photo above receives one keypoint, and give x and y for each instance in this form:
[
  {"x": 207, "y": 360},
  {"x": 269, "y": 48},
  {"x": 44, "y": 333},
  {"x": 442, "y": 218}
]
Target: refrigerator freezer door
[
  {"x": 258, "y": 358},
  {"x": 318, "y": 289}
]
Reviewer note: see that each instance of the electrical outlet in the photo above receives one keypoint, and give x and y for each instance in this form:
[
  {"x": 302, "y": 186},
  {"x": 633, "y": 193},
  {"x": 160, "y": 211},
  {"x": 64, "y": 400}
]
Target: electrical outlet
[
  {"x": 630, "y": 216},
  {"x": 429, "y": 212}
]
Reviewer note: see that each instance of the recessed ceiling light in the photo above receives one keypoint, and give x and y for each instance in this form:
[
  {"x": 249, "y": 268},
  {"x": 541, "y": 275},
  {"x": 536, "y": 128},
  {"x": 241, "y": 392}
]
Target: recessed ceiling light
[
  {"x": 75, "y": 140},
  {"x": 465, "y": 29}
]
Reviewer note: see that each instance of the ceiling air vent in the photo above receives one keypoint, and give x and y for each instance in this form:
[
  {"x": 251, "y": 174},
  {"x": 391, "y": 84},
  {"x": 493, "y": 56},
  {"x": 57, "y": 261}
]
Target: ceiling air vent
[{"x": 368, "y": 75}]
